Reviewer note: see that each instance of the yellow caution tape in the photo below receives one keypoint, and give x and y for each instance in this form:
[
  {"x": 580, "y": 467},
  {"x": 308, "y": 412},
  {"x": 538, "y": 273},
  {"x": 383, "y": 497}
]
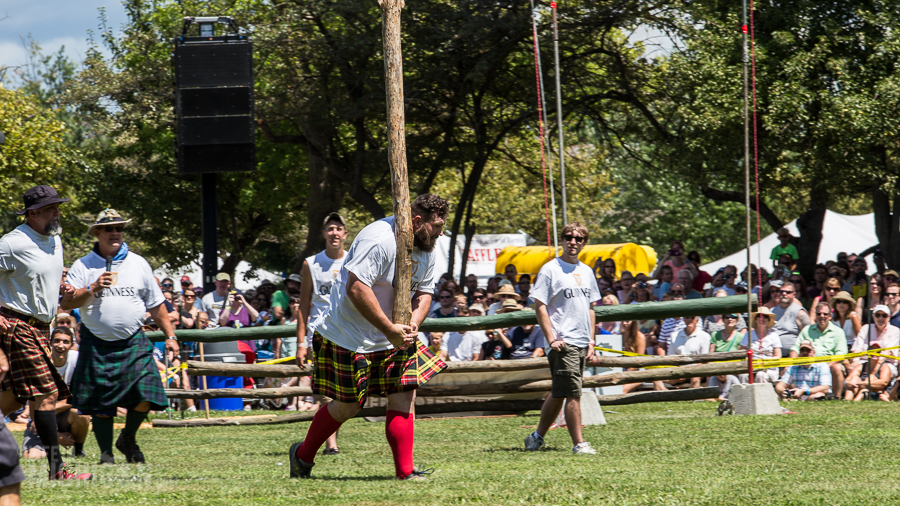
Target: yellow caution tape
[{"x": 277, "y": 361}]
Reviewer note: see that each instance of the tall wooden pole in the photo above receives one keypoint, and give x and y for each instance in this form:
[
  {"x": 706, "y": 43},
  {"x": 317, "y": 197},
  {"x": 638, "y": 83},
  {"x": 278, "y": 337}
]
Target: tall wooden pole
[{"x": 396, "y": 124}]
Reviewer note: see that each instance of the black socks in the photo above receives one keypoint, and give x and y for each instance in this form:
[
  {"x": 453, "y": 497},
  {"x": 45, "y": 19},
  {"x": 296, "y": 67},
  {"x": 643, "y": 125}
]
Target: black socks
[
  {"x": 45, "y": 426},
  {"x": 103, "y": 431},
  {"x": 133, "y": 422}
]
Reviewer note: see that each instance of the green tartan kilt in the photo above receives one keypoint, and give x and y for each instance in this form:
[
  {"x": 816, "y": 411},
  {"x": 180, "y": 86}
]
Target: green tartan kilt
[{"x": 111, "y": 374}]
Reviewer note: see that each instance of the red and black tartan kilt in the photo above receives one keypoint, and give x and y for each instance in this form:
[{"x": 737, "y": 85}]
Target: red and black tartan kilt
[
  {"x": 349, "y": 376},
  {"x": 31, "y": 372}
]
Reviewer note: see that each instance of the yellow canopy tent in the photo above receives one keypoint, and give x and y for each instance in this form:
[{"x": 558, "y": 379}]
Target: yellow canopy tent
[{"x": 628, "y": 256}]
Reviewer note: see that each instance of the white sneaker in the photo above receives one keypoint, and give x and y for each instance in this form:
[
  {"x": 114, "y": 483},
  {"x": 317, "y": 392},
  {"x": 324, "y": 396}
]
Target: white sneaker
[
  {"x": 584, "y": 448},
  {"x": 533, "y": 442}
]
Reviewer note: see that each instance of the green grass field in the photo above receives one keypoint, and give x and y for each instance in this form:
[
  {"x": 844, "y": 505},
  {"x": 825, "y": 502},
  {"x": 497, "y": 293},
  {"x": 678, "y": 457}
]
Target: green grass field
[{"x": 672, "y": 453}]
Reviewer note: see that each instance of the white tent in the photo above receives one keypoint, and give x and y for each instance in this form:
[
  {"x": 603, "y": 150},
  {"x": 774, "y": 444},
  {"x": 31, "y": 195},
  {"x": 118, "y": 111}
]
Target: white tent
[
  {"x": 840, "y": 232},
  {"x": 243, "y": 281}
]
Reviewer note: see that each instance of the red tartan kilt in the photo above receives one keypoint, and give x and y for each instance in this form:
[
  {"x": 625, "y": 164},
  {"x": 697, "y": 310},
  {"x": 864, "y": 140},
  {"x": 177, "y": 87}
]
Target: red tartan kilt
[{"x": 31, "y": 371}]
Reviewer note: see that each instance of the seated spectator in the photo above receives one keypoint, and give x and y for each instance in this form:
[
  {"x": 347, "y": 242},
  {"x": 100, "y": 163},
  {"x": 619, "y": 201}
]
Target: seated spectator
[
  {"x": 523, "y": 287},
  {"x": 608, "y": 270},
  {"x": 675, "y": 259},
  {"x": 471, "y": 286},
  {"x": 691, "y": 340},
  {"x": 72, "y": 427},
  {"x": 831, "y": 288},
  {"x": 476, "y": 310},
  {"x": 805, "y": 382},
  {"x": 857, "y": 279},
  {"x": 889, "y": 276},
  {"x": 494, "y": 283},
  {"x": 685, "y": 278},
  {"x": 844, "y": 316},
  {"x": 828, "y": 340},
  {"x": 504, "y": 293},
  {"x": 479, "y": 296},
  {"x": 873, "y": 336},
  {"x": 261, "y": 304},
  {"x": 434, "y": 342},
  {"x": 527, "y": 341},
  {"x": 497, "y": 347},
  {"x": 605, "y": 284},
  {"x": 873, "y": 297},
  {"x": 784, "y": 247},
  {"x": 609, "y": 327},
  {"x": 446, "y": 307},
  {"x": 287, "y": 346},
  {"x": 728, "y": 338},
  {"x": 797, "y": 280},
  {"x": 511, "y": 273},
  {"x": 725, "y": 382},
  {"x": 640, "y": 292},
  {"x": 627, "y": 282},
  {"x": 817, "y": 284},
  {"x": 765, "y": 342},
  {"x": 462, "y": 309},
  {"x": 463, "y": 346},
  {"x": 664, "y": 282}
]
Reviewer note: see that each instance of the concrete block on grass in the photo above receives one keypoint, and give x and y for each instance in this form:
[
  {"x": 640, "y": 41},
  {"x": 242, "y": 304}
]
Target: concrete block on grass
[{"x": 755, "y": 399}]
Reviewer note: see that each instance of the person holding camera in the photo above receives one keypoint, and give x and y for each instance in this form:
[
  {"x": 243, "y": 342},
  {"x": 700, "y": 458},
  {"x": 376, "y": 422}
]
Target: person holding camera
[
  {"x": 676, "y": 260},
  {"x": 215, "y": 301},
  {"x": 805, "y": 382}
]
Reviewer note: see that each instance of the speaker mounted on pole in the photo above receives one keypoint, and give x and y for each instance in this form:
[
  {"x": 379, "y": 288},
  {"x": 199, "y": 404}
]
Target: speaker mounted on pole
[{"x": 214, "y": 99}]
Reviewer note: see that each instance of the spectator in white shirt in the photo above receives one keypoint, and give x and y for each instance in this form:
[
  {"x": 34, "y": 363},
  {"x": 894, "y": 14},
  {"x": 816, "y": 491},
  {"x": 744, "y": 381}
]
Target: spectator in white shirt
[{"x": 691, "y": 340}]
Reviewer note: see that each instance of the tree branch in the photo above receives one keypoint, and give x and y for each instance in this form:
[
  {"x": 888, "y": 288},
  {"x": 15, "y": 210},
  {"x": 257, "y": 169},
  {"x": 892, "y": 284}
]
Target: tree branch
[{"x": 732, "y": 196}]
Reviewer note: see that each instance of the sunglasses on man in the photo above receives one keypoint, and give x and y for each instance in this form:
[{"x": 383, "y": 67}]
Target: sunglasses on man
[
  {"x": 111, "y": 228},
  {"x": 576, "y": 238}
]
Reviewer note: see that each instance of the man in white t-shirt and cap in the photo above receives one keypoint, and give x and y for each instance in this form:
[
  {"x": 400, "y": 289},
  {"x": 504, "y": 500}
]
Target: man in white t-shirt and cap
[
  {"x": 357, "y": 348},
  {"x": 562, "y": 297},
  {"x": 31, "y": 267},
  {"x": 213, "y": 302},
  {"x": 114, "y": 287},
  {"x": 318, "y": 274}
]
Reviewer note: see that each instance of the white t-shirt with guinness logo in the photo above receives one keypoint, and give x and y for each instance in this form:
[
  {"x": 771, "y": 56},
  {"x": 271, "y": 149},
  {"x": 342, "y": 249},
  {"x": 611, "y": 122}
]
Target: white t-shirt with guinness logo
[
  {"x": 118, "y": 311},
  {"x": 371, "y": 257},
  {"x": 324, "y": 272},
  {"x": 567, "y": 290}
]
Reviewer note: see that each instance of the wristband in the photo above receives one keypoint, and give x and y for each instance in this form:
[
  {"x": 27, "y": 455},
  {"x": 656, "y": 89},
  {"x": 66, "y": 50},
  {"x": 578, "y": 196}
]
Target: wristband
[
  {"x": 303, "y": 344},
  {"x": 807, "y": 391}
]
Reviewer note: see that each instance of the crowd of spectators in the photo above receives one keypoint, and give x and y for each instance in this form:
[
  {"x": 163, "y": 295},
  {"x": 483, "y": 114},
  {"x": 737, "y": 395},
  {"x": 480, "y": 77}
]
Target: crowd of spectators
[{"x": 839, "y": 309}]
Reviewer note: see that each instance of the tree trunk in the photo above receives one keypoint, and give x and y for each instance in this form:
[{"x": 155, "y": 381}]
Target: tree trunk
[
  {"x": 887, "y": 225},
  {"x": 470, "y": 232},
  {"x": 809, "y": 224},
  {"x": 326, "y": 195}
]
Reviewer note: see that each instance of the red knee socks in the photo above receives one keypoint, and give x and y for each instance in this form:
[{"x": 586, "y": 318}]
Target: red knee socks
[
  {"x": 400, "y": 431},
  {"x": 323, "y": 426}
]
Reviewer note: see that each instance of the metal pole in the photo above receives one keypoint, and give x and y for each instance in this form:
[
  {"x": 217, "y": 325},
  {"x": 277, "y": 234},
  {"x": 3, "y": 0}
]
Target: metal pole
[
  {"x": 537, "y": 44},
  {"x": 210, "y": 231},
  {"x": 747, "y": 182},
  {"x": 559, "y": 117}
]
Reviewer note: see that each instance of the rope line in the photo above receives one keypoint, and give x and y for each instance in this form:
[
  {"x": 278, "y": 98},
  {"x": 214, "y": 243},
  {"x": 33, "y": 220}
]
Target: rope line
[{"x": 541, "y": 119}]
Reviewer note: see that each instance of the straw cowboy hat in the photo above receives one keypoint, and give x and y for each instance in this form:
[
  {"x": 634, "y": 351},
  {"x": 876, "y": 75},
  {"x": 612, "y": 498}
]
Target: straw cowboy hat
[
  {"x": 844, "y": 296},
  {"x": 108, "y": 217},
  {"x": 763, "y": 310},
  {"x": 509, "y": 306},
  {"x": 507, "y": 290}
]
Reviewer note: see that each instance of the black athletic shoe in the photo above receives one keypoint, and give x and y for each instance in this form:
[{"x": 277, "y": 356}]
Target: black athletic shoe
[
  {"x": 79, "y": 453},
  {"x": 107, "y": 458},
  {"x": 418, "y": 474},
  {"x": 331, "y": 451},
  {"x": 129, "y": 447},
  {"x": 299, "y": 469}
]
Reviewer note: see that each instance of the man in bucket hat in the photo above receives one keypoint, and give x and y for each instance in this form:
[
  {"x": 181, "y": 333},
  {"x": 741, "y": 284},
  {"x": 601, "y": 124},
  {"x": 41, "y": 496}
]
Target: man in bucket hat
[
  {"x": 31, "y": 266},
  {"x": 114, "y": 288}
]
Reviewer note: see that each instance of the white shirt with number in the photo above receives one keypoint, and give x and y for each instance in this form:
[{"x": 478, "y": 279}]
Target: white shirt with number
[
  {"x": 31, "y": 267},
  {"x": 324, "y": 271},
  {"x": 117, "y": 312},
  {"x": 371, "y": 258},
  {"x": 567, "y": 290}
]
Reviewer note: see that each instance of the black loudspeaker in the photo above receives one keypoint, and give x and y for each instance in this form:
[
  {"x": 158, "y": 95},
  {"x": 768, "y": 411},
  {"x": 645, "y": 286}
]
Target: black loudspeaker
[{"x": 214, "y": 105}]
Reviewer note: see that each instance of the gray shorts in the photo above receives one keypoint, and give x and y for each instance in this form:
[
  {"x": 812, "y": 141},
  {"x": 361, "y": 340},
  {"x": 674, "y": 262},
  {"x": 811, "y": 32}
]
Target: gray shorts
[
  {"x": 567, "y": 371},
  {"x": 10, "y": 472},
  {"x": 288, "y": 346}
]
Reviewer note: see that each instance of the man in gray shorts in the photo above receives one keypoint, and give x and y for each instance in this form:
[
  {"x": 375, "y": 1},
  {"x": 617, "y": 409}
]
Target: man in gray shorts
[{"x": 562, "y": 293}]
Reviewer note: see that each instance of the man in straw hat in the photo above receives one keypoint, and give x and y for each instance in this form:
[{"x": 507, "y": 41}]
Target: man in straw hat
[
  {"x": 114, "y": 288},
  {"x": 505, "y": 292},
  {"x": 828, "y": 339},
  {"x": 358, "y": 349},
  {"x": 562, "y": 294},
  {"x": 31, "y": 266}
]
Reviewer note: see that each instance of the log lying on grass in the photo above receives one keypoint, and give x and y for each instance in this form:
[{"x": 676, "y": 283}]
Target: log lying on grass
[
  {"x": 454, "y": 407},
  {"x": 290, "y": 370},
  {"x": 622, "y": 312},
  {"x": 517, "y": 387}
]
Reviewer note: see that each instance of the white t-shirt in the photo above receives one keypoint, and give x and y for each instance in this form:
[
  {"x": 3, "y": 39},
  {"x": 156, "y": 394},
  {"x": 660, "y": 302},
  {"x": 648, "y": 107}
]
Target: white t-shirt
[
  {"x": 764, "y": 348},
  {"x": 371, "y": 258},
  {"x": 212, "y": 305},
  {"x": 324, "y": 271},
  {"x": 694, "y": 344},
  {"x": 68, "y": 370},
  {"x": 461, "y": 347},
  {"x": 567, "y": 290},
  {"x": 118, "y": 311},
  {"x": 31, "y": 267}
]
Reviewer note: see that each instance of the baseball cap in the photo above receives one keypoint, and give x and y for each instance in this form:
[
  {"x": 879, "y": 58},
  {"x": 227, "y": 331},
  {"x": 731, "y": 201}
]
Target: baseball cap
[
  {"x": 807, "y": 344},
  {"x": 477, "y": 307},
  {"x": 334, "y": 217},
  {"x": 881, "y": 308},
  {"x": 185, "y": 280},
  {"x": 223, "y": 276},
  {"x": 295, "y": 277},
  {"x": 891, "y": 272}
]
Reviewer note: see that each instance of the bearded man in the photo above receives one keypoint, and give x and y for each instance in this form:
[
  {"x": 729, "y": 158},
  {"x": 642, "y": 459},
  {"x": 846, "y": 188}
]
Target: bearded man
[{"x": 358, "y": 350}]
